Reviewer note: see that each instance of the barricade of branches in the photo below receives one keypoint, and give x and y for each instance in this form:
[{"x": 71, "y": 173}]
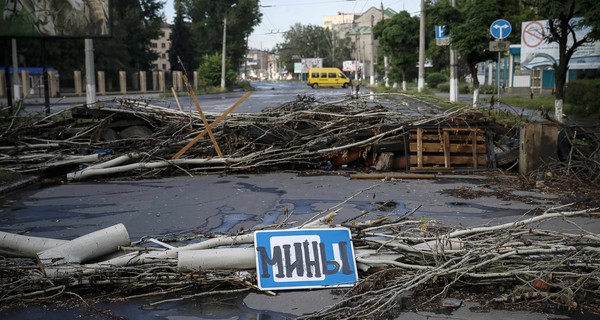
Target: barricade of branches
[
  {"x": 133, "y": 137},
  {"x": 518, "y": 262},
  {"x": 576, "y": 167},
  {"x": 528, "y": 258}
]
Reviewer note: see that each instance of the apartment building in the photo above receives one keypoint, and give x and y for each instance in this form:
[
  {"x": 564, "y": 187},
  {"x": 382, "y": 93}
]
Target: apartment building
[
  {"x": 359, "y": 27},
  {"x": 162, "y": 46}
]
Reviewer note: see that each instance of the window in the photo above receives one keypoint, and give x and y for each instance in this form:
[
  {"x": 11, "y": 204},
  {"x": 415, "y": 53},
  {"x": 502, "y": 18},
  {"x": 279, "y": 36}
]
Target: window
[
  {"x": 323, "y": 75},
  {"x": 315, "y": 75},
  {"x": 331, "y": 75},
  {"x": 163, "y": 45},
  {"x": 154, "y": 45},
  {"x": 341, "y": 75}
]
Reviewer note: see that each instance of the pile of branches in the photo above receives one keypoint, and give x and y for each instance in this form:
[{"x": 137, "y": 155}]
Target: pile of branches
[
  {"x": 299, "y": 134},
  {"x": 513, "y": 263},
  {"x": 396, "y": 258},
  {"x": 576, "y": 169}
]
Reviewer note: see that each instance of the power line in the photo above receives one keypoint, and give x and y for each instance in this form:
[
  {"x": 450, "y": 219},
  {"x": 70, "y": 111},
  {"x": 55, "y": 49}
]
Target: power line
[{"x": 304, "y": 3}]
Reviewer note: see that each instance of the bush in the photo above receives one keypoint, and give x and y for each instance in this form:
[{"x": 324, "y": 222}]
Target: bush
[
  {"x": 488, "y": 89},
  {"x": 244, "y": 84},
  {"x": 584, "y": 96},
  {"x": 464, "y": 88},
  {"x": 443, "y": 87},
  {"x": 210, "y": 71},
  {"x": 434, "y": 79}
]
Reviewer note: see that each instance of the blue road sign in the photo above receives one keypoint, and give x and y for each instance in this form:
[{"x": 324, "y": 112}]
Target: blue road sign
[
  {"x": 500, "y": 29},
  {"x": 440, "y": 32},
  {"x": 304, "y": 258}
]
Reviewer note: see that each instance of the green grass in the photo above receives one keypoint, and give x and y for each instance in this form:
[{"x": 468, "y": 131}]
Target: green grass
[{"x": 537, "y": 103}]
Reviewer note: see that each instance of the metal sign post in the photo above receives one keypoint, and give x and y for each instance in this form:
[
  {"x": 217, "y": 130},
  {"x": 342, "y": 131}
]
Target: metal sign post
[{"x": 499, "y": 29}]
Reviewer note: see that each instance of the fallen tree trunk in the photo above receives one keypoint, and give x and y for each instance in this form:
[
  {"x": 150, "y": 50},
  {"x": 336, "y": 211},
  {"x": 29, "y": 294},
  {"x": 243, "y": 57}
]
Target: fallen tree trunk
[
  {"x": 216, "y": 259},
  {"x": 85, "y": 248},
  {"x": 14, "y": 245}
]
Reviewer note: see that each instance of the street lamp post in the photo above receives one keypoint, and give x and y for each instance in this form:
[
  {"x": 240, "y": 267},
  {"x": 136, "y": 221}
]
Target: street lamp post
[{"x": 224, "y": 48}]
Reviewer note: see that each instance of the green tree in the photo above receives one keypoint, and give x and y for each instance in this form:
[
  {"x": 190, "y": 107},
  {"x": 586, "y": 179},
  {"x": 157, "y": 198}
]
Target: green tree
[
  {"x": 468, "y": 26},
  {"x": 309, "y": 41},
  {"x": 209, "y": 72},
  {"x": 562, "y": 29},
  {"x": 182, "y": 46},
  {"x": 398, "y": 37},
  {"x": 207, "y": 26},
  {"x": 135, "y": 24}
]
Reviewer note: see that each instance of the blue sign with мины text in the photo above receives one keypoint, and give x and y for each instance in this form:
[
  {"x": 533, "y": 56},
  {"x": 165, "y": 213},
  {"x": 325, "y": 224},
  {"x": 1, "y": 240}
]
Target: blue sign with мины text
[{"x": 304, "y": 258}]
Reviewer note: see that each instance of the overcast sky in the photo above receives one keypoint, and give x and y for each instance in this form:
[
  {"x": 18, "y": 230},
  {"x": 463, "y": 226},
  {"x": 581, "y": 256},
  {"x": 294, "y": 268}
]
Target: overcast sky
[{"x": 280, "y": 15}]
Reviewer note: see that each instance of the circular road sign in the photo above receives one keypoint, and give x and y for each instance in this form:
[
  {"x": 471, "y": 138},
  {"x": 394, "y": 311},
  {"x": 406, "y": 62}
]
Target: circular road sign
[
  {"x": 533, "y": 34},
  {"x": 500, "y": 29}
]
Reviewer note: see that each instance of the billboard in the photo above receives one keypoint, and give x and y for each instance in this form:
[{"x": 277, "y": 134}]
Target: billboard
[
  {"x": 311, "y": 63},
  {"x": 536, "y": 52},
  {"x": 55, "y": 18}
]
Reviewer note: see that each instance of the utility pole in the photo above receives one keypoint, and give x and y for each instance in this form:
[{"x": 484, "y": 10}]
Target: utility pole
[
  {"x": 224, "y": 47},
  {"x": 453, "y": 71},
  {"x": 16, "y": 76},
  {"x": 90, "y": 71},
  {"x": 223, "y": 53},
  {"x": 385, "y": 58},
  {"x": 373, "y": 56},
  {"x": 421, "y": 81}
]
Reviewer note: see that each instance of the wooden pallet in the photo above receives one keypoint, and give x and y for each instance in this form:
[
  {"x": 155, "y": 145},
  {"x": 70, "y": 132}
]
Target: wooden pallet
[{"x": 447, "y": 148}]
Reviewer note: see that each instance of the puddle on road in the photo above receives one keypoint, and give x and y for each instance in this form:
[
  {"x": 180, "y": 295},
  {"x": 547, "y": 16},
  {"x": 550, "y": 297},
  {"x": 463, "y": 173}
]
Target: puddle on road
[
  {"x": 254, "y": 188},
  {"x": 229, "y": 306},
  {"x": 221, "y": 307}
]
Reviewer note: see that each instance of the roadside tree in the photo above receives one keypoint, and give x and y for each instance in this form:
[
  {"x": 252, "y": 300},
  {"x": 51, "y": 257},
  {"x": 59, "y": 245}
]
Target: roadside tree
[
  {"x": 562, "y": 29},
  {"x": 398, "y": 37},
  {"x": 309, "y": 41},
  {"x": 209, "y": 72},
  {"x": 207, "y": 26},
  {"x": 182, "y": 45},
  {"x": 468, "y": 26}
]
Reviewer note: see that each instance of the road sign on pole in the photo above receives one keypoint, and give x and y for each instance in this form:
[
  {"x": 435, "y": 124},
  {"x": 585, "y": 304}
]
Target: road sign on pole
[
  {"x": 500, "y": 29},
  {"x": 496, "y": 46},
  {"x": 441, "y": 38},
  {"x": 440, "y": 32}
]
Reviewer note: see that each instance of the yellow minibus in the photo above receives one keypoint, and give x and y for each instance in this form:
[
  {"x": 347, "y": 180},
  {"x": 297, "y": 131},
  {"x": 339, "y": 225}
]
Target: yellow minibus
[{"x": 327, "y": 77}]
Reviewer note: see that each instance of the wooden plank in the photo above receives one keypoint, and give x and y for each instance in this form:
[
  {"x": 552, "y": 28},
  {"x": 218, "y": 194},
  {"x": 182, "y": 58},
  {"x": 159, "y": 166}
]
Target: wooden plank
[
  {"x": 429, "y": 147},
  {"x": 453, "y": 137},
  {"x": 384, "y": 161},
  {"x": 393, "y": 175},
  {"x": 212, "y": 125},
  {"x": 461, "y": 160},
  {"x": 420, "y": 147},
  {"x": 447, "y": 146},
  {"x": 474, "y": 144}
]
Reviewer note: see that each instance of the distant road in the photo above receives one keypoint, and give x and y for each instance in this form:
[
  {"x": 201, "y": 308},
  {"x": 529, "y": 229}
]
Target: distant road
[{"x": 266, "y": 94}]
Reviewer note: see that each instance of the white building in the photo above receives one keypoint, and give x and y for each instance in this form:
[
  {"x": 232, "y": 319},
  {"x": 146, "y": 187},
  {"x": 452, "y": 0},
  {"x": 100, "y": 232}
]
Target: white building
[
  {"x": 162, "y": 46},
  {"x": 359, "y": 27}
]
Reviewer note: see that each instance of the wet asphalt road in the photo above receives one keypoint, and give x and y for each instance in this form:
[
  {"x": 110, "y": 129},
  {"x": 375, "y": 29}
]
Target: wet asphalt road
[
  {"x": 266, "y": 94},
  {"x": 224, "y": 204}
]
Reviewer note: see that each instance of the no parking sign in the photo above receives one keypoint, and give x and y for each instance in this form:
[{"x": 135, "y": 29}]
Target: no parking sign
[{"x": 533, "y": 34}]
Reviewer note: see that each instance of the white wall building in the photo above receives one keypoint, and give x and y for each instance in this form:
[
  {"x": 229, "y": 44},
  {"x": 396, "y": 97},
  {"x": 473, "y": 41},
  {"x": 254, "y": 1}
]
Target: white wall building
[{"x": 162, "y": 46}]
